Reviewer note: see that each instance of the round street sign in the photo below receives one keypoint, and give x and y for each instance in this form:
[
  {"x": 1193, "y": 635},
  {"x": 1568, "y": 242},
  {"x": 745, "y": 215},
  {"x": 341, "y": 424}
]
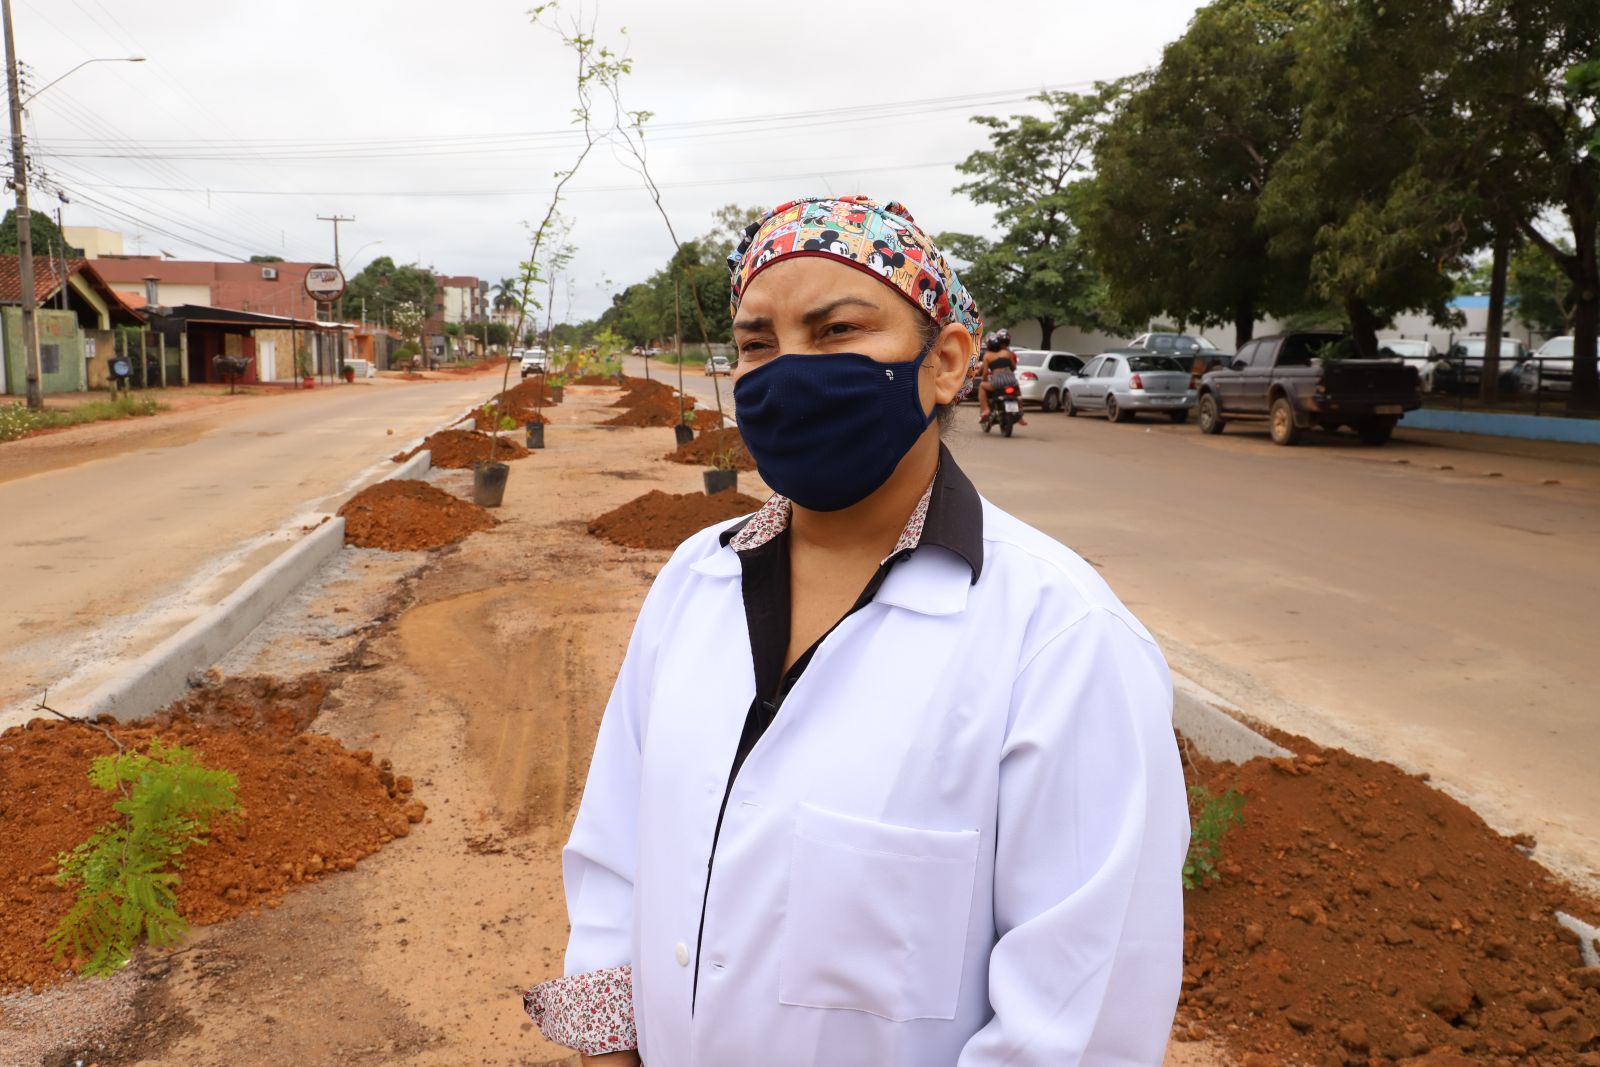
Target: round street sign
[{"x": 324, "y": 283}]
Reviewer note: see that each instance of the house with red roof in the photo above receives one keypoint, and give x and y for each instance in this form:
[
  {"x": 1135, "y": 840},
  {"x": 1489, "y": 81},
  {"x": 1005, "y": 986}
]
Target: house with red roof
[{"x": 78, "y": 313}]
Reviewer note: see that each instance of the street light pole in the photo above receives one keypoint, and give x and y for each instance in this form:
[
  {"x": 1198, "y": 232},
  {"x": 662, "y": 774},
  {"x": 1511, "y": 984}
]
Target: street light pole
[{"x": 19, "y": 182}]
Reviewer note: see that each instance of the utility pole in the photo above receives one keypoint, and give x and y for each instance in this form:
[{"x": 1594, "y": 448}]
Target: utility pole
[{"x": 19, "y": 182}]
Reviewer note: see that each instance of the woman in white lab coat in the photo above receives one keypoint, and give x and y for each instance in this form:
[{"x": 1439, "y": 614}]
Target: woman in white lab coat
[{"x": 813, "y": 833}]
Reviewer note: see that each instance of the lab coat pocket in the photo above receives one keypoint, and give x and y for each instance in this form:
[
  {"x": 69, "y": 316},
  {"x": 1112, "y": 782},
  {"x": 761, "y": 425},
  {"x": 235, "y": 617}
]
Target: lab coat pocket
[{"x": 877, "y": 916}]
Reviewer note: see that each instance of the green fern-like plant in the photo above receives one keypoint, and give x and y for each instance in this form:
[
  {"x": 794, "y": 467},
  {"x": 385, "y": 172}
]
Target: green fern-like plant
[
  {"x": 127, "y": 870},
  {"x": 1211, "y": 817}
]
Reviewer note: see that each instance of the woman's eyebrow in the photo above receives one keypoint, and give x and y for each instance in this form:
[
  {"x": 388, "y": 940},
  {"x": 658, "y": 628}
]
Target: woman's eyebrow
[
  {"x": 825, "y": 310},
  {"x": 758, "y": 323}
]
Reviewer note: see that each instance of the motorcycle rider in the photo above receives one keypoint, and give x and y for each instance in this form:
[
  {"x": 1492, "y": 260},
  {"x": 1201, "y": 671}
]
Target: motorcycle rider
[{"x": 999, "y": 370}]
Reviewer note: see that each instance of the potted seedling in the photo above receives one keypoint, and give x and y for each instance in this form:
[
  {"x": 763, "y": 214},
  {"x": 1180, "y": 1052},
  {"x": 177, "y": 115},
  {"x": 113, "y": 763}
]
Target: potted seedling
[
  {"x": 349, "y": 375},
  {"x": 684, "y": 430},
  {"x": 724, "y": 473},
  {"x": 558, "y": 385},
  {"x": 535, "y": 433},
  {"x": 488, "y": 475}
]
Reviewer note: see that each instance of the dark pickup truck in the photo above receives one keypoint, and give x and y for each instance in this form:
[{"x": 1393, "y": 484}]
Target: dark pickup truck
[{"x": 1297, "y": 380}]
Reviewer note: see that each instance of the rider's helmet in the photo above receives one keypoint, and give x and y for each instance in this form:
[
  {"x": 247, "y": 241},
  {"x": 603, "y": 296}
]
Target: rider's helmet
[
  {"x": 1004, "y": 336},
  {"x": 992, "y": 343}
]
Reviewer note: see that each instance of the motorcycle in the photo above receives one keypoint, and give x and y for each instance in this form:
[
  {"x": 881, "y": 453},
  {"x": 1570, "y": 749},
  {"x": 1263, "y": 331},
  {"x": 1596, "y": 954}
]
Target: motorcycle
[{"x": 1005, "y": 411}]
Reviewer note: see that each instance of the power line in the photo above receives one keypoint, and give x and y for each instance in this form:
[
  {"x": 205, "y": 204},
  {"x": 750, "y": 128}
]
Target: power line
[{"x": 470, "y": 193}]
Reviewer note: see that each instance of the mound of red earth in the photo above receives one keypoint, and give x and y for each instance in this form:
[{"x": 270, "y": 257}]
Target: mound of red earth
[
  {"x": 636, "y": 389},
  {"x": 402, "y": 514},
  {"x": 1363, "y": 917},
  {"x": 711, "y": 448},
  {"x": 657, "y": 409},
  {"x": 707, "y": 420},
  {"x": 484, "y": 422},
  {"x": 460, "y": 449},
  {"x": 666, "y": 520},
  {"x": 311, "y": 808},
  {"x": 595, "y": 379}
]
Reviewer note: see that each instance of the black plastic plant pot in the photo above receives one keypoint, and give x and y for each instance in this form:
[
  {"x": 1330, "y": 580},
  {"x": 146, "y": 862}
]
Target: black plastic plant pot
[
  {"x": 556, "y": 392},
  {"x": 489, "y": 483},
  {"x": 684, "y": 433},
  {"x": 535, "y": 435},
  {"x": 717, "y": 481}
]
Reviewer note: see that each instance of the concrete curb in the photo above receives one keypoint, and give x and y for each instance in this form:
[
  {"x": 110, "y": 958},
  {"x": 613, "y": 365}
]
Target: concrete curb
[
  {"x": 1199, "y": 714},
  {"x": 1499, "y": 424}
]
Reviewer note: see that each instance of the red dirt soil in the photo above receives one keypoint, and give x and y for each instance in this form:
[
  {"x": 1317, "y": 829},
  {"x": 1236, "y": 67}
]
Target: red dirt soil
[
  {"x": 704, "y": 450},
  {"x": 459, "y": 449},
  {"x": 665, "y": 520},
  {"x": 1363, "y": 917},
  {"x": 595, "y": 379},
  {"x": 638, "y": 389},
  {"x": 655, "y": 409},
  {"x": 310, "y": 806},
  {"x": 484, "y": 423},
  {"x": 707, "y": 420},
  {"x": 402, "y": 514}
]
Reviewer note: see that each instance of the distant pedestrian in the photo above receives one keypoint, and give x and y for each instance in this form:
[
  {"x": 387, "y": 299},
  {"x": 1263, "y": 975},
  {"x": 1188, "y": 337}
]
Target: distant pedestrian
[{"x": 812, "y": 834}]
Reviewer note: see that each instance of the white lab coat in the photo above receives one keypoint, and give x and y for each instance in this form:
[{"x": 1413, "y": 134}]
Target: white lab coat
[{"x": 924, "y": 862}]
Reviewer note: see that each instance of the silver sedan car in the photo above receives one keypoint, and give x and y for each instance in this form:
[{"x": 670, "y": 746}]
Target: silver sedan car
[{"x": 1123, "y": 384}]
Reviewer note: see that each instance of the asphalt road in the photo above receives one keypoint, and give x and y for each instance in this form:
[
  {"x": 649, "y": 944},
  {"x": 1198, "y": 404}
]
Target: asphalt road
[
  {"x": 1435, "y": 601},
  {"x": 116, "y": 535}
]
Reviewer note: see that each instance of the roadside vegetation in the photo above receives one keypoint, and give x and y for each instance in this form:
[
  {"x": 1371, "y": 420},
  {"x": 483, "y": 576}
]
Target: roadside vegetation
[
  {"x": 16, "y": 421},
  {"x": 126, "y": 872}
]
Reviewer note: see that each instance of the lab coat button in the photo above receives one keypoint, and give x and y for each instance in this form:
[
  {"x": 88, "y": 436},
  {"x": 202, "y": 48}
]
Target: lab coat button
[{"x": 681, "y": 954}]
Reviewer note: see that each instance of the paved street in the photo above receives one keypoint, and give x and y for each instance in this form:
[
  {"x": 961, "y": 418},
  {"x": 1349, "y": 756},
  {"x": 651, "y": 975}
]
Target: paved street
[
  {"x": 1429, "y": 602},
  {"x": 108, "y": 556}
]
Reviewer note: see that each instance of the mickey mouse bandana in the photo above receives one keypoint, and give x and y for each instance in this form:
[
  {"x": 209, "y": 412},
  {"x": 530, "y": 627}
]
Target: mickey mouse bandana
[{"x": 881, "y": 239}]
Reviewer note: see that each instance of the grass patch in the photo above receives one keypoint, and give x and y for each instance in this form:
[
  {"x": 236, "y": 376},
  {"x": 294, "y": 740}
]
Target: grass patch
[{"x": 17, "y": 421}]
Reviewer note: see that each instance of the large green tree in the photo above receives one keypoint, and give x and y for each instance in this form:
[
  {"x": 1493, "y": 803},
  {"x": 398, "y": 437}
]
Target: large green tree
[
  {"x": 47, "y": 238},
  {"x": 1540, "y": 291},
  {"x": 1549, "y": 95},
  {"x": 1034, "y": 265},
  {"x": 386, "y": 286},
  {"x": 1361, "y": 192},
  {"x": 1172, "y": 222}
]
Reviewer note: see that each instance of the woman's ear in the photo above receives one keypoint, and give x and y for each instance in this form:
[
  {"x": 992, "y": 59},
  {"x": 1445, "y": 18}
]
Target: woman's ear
[{"x": 950, "y": 358}]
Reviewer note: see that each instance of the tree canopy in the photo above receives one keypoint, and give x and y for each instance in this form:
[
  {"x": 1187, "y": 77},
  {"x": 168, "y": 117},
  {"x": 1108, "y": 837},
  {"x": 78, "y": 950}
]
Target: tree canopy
[
  {"x": 1036, "y": 265},
  {"x": 47, "y": 239},
  {"x": 386, "y": 286},
  {"x": 1172, "y": 215}
]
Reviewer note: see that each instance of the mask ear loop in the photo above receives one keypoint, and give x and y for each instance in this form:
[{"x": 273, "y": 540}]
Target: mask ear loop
[{"x": 917, "y": 363}]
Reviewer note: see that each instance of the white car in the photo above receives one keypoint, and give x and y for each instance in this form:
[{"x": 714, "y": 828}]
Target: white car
[
  {"x": 1042, "y": 376},
  {"x": 1550, "y": 368},
  {"x": 718, "y": 365},
  {"x": 535, "y": 361},
  {"x": 1413, "y": 353}
]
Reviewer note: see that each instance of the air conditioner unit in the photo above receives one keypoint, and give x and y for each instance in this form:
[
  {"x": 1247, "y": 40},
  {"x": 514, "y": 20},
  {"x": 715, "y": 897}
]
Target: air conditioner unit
[{"x": 269, "y": 274}]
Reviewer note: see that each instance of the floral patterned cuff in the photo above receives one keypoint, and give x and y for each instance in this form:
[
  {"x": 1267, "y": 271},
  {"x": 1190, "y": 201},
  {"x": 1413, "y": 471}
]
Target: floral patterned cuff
[{"x": 591, "y": 1012}]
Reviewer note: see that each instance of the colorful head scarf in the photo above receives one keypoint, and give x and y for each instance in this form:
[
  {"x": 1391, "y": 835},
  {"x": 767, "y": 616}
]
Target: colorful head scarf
[{"x": 881, "y": 239}]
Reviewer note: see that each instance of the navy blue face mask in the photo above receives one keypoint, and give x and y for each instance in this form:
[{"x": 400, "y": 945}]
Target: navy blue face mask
[{"x": 826, "y": 431}]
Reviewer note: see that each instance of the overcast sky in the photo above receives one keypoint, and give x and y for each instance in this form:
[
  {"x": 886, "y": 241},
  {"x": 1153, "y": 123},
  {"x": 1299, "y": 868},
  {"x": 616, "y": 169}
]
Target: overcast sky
[{"x": 250, "y": 119}]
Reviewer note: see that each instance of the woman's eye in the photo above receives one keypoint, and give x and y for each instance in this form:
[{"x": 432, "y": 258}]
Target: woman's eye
[
  {"x": 838, "y": 329},
  {"x": 751, "y": 347}
]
